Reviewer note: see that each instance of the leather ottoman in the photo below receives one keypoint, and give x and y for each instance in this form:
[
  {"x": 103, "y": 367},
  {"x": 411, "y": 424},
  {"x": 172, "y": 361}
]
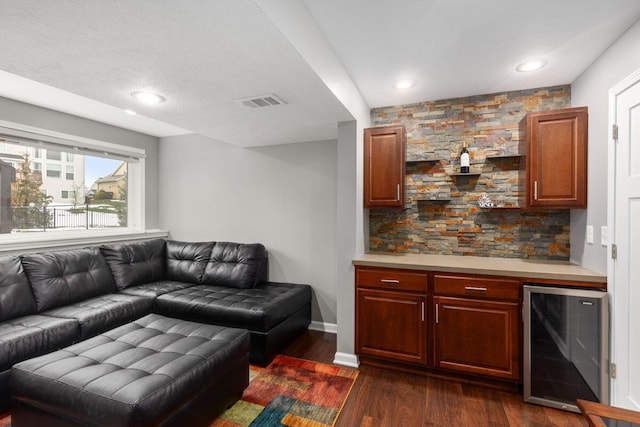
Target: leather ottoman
[{"x": 153, "y": 371}]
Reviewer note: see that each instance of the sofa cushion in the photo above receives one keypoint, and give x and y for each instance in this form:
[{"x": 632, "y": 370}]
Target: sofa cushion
[
  {"x": 16, "y": 297},
  {"x": 137, "y": 263},
  {"x": 152, "y": 290},
  {"x": 187, "y": 261},
  {"x": 65, "y": 277},
  {"x": 30, "y": 336},
  {"x": 259, "y": 309},
  {"x": 236, "y": 265},
  {"x": 102, "y": 313}
]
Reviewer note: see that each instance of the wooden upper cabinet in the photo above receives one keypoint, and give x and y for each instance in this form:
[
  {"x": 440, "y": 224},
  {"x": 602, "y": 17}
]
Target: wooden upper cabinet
[
  {"x": 557, "y": 159},
  {"x": 384, "y": 170}
]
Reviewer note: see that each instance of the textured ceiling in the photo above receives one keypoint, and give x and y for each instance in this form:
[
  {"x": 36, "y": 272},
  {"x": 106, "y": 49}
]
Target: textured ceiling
[
  {"x": 200, "y": 55},
  {"x": 454, "y": 48},
  {"x": 85, "y": 57}
]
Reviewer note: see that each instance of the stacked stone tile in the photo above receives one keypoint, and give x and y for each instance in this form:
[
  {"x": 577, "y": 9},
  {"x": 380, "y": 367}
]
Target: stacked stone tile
[{"x": 454, "y": 223}]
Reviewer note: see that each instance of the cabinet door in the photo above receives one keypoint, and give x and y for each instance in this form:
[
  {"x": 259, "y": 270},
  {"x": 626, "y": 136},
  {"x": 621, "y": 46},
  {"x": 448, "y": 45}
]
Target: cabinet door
[
  {"x": 557, "y": 159},
  {"x": 384, "y": 167},
  {"x": 477, "y": 337},
  {"x": 391, "y": 325}
]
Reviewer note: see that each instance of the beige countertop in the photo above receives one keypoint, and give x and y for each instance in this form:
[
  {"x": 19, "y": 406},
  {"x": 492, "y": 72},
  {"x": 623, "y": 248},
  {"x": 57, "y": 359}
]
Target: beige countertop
[{"x": 513, "y": 267}]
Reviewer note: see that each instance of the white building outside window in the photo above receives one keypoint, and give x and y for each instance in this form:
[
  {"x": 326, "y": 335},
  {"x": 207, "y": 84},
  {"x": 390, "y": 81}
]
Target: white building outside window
[{"x": 67, "y": 170}]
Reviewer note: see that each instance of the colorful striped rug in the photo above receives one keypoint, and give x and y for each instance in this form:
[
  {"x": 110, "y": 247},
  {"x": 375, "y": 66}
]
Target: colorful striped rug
[{"x": 289, "y": 392}]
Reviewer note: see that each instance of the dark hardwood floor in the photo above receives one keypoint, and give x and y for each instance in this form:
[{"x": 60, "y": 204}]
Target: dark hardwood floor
[{"x": 385, "y": 398}]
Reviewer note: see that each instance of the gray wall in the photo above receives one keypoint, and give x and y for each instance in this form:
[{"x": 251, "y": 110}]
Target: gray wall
[
  {"x": 282, "y": 196},
  {"x": 30, "y": 115},
  {"x": 591, "y": 88}
]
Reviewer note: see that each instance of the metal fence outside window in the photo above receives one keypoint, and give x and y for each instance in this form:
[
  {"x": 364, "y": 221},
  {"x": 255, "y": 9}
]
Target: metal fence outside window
[{"x": 89, "y": 216}]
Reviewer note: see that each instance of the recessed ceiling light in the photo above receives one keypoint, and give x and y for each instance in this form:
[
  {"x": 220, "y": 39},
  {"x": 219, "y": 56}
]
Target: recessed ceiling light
[
  {"x": 130, "y": 112},
  {"x": 148, "y": 97},
  {"x": 532, "y": 65},
  {"x": 404, "y": 84}
]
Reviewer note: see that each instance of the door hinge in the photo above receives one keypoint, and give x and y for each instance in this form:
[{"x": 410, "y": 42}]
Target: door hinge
[
  {"x": 614, "y": 251},
  {"x": 614, "y": 132},
  {"x": 613, "y": 370}
]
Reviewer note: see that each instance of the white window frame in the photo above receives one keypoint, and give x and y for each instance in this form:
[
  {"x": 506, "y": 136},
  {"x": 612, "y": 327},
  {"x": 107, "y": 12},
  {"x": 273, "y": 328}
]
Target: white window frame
[{"x": 17, "y": 243}]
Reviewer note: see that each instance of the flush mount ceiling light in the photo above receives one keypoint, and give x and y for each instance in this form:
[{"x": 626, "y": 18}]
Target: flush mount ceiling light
[
  {"x": 148, "y": 97},
  {"x": 130, "y": 112},
  {"x": 532, "y": 65},
  {"x": 404, "y": 84}
]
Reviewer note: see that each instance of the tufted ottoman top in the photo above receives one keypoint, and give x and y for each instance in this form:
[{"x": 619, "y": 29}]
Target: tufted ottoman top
[{"x": 132, "y": 375}]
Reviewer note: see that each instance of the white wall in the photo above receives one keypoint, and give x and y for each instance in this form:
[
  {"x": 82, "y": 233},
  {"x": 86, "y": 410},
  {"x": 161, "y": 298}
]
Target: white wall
[
  {"x": 591, "y": 88},
  {"x": 282, "y": 196},
  {"x": 31, "y": 115}
]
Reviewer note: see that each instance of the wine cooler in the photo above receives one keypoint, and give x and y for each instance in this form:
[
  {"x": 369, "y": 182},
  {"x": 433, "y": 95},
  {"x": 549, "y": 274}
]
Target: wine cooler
[{"x": 566, "y": 347}]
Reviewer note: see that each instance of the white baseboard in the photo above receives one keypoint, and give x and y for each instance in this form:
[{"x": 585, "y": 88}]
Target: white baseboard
[
  {"x": 331, "y": 328},
  {"x": 346, "y": 359}
]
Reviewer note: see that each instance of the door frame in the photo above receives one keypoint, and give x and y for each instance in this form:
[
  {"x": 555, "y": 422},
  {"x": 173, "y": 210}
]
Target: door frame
[{"x": 617, "y": 89}]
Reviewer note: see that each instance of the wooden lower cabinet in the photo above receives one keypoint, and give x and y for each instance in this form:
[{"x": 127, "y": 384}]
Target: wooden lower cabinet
[
  {"x": 477, "y": 337},
  {"x": 391, "y": 325},
  {"x": 451, "y": 323}
]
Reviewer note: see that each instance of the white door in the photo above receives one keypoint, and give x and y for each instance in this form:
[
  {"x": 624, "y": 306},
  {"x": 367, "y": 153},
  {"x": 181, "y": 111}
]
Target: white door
[{"x": 624, "y": 271}]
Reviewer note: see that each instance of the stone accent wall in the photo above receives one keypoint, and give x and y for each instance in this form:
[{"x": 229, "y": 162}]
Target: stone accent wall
[{"x": 442, "y": 214}]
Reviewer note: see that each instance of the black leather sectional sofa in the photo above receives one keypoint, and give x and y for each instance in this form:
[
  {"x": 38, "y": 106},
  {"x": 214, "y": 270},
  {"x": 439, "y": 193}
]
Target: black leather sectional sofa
[{"x": 53, "y": 299}]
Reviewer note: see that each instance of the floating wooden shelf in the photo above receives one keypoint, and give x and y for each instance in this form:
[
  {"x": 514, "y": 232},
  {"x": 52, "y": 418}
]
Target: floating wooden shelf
[
  {"x": 433, "y": 200},
  {"x": 423, "y": 160},
  {"x": 470, "y": 174},
  {"x": 503, "y": 207},
  {"x": 503, "y": 156}
]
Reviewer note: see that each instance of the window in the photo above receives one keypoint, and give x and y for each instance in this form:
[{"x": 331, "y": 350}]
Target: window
[
  {"x": 53, "y": 155},
  {"x": 102, "y": 187},
  {"x": 54, "y": 171}
]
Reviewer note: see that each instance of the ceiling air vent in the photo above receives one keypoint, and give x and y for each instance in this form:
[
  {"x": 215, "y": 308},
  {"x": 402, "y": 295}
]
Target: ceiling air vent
[{"x": 259, "y": 101}]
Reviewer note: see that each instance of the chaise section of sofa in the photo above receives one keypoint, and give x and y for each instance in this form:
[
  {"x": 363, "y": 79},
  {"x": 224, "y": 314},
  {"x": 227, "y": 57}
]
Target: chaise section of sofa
[
  {"x": 274, "y": 313},
  {"x": 221, "y": 283}
]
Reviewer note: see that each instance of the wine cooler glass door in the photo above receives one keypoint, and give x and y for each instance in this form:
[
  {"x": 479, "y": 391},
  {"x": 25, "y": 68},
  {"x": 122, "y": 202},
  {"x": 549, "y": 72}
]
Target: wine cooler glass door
[{"x": 566, "y": 346}]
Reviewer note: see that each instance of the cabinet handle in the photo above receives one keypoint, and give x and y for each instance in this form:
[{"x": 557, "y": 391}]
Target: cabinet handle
[
  {"x": 437, "y": 314},
  {"x": 423, "y": 311},
  {"x": 398, "y": 192},
  {"x": 535, "y": 190},
  {"x": 474, "y": 288},
  {"x": 394, "y": 281}
]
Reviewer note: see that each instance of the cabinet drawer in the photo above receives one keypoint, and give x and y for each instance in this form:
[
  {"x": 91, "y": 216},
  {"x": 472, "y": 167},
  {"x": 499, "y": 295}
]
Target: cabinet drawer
[
  {"x": 477, "y": 287},
  {"x": 389, "y": 278}
]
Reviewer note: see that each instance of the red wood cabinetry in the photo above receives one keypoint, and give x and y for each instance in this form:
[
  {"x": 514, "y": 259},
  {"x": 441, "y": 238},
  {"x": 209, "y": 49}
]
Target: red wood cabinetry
[
  {"x": 468, "y": 324},
  {"x": 557, "y": 159},
  {"x": 476, "y": 325},
  {"x": 384, "y": 168},
  {"x": 391, "y": 314}
]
